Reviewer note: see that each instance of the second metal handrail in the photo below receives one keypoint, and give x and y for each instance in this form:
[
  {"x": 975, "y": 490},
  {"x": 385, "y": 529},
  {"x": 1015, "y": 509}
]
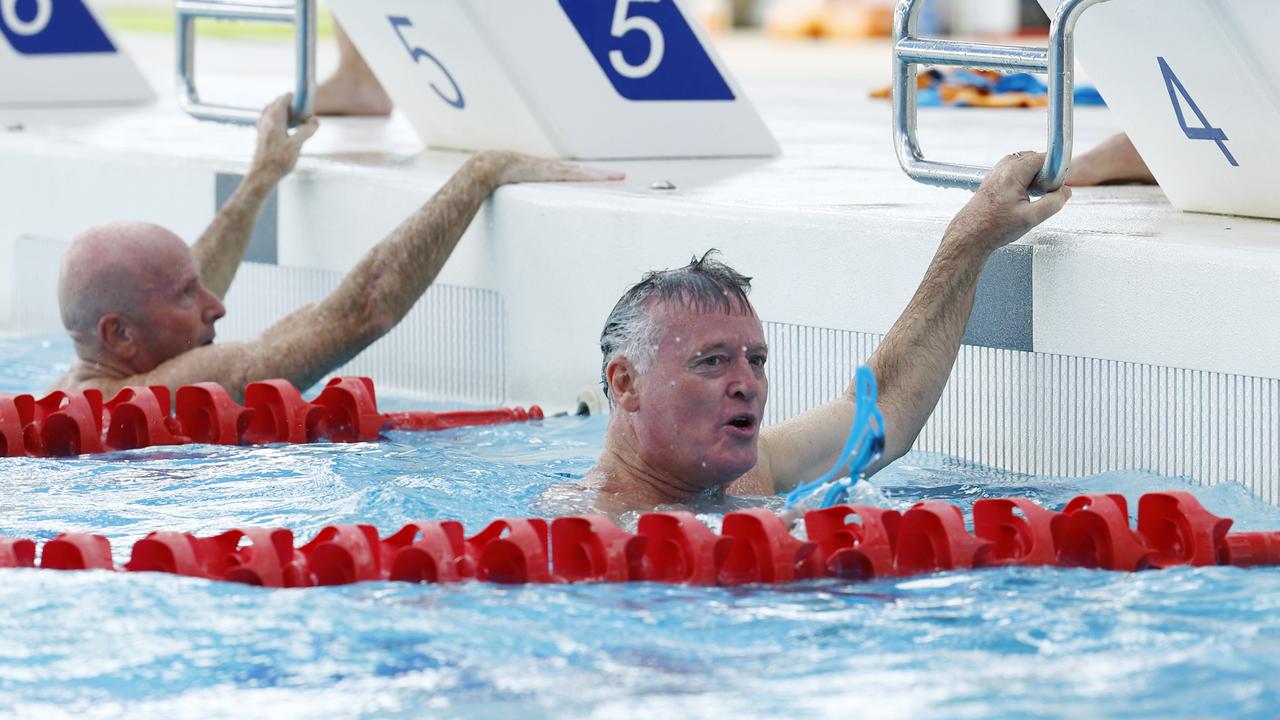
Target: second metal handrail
[
  {"x": 301, "y": 14},
  {"x": 1057, "y": 60}
]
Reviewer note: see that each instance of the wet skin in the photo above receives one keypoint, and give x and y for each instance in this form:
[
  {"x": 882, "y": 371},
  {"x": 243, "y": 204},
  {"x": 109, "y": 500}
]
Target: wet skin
[{"x": 691, "y": 422}]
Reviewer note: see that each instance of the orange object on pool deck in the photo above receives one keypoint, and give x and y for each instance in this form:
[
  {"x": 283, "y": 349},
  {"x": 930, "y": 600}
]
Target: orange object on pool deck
[
  {"x": 845, "y": 541},
  {"x": 346, "y": 410}
]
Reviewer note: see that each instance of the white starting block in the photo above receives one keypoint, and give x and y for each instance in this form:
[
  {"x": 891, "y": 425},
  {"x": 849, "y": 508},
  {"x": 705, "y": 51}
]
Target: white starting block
[
  {"x": 563, "y": 78},
  {"x": 57, "y": 52},
  {"x": 1196, "y": 84}
]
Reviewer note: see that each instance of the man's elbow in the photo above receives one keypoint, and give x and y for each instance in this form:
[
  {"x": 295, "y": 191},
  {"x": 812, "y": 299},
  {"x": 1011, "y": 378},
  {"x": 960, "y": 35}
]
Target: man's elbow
[{"x": 379, "y": 323}]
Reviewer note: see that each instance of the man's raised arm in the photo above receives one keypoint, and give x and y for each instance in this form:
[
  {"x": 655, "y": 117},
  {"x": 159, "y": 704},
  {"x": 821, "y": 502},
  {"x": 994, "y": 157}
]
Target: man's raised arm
[
  {"x": 914, "y": 361},
  {"x": 374, "y": 296},
  {"x": 221, "y": 248}
]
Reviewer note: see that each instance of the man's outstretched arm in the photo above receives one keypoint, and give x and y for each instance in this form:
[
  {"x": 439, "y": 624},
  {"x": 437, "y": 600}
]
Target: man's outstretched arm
[
  {"x": 914, "y": 361},
  {"x": 221, "y": 248},
  {"x": 374, "y": 296}
]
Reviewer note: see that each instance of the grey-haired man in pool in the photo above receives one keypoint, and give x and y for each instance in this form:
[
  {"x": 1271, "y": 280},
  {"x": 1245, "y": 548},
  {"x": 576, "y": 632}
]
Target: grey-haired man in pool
[
  {"x": 684, "y": 367},
  {"x": 140, "y": 305}
]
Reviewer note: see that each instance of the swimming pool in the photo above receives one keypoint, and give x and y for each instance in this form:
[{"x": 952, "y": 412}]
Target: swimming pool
[{"x": 1002, "y": 642}]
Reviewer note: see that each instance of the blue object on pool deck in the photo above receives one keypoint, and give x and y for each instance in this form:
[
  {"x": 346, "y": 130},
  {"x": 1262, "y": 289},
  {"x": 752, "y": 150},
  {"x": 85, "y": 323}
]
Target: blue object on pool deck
[
  {"x": 864, "y": 446},
  {"x": 989, "y": 84}
]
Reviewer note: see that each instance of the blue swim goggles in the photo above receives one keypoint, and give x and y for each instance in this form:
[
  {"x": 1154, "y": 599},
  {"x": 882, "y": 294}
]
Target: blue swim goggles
[{"x": 864, "y": 447}]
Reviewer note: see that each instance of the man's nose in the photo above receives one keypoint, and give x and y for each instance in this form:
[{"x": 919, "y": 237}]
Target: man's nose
[
  {"x": 213, "y": 308},
  {"x": 744, "y": 383}
]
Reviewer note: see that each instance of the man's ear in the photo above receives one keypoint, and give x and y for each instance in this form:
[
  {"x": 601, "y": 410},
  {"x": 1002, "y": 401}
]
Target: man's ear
[
  {"x": 621, "y": 376},
  {"x": 118, "y": 335}
]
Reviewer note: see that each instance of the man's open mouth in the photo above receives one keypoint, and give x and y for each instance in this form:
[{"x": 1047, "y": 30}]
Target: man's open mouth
[{"x": 743, "y": 422}]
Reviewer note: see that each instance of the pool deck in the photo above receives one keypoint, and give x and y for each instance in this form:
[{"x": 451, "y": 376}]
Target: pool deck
[{"x": 835, "y": 234}]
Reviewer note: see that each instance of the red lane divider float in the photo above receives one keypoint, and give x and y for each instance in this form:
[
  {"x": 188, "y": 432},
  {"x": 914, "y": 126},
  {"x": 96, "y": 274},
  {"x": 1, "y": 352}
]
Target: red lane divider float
[
  {"x": 847, "y": 541},
  {"x": 346, "y": 410}
]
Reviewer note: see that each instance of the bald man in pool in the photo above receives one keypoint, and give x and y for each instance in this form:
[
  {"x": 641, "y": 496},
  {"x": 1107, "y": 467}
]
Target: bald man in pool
[
  {"x": 685, "y": 356},
  {"x": 140, "y": 305}
]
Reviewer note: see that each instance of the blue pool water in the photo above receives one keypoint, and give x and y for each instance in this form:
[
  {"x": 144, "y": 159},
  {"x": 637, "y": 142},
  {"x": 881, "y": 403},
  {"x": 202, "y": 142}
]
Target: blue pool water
[{"x": 1006, "y": 642}]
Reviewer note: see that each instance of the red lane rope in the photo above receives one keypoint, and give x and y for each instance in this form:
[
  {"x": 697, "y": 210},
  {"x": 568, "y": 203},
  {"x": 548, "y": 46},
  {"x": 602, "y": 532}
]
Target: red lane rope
[
  {"x": 346, "y": 410},
  {"x": 854, "y": 542}
]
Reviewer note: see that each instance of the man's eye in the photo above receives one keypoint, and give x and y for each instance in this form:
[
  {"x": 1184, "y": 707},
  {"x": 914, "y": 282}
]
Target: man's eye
[
  {"x": 758, "y": 360},
  {"x": 712, "y": 360}
]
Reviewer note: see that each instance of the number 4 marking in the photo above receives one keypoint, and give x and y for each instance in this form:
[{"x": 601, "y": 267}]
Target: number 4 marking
[
  {"x": 1205, "y": 131},
  {"x": 417, "y": 53}
]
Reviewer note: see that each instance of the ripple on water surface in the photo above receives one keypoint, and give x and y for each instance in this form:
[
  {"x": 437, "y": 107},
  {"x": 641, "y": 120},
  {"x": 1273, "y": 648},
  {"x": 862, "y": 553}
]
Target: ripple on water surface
[{"x": 1004, "y": 642}]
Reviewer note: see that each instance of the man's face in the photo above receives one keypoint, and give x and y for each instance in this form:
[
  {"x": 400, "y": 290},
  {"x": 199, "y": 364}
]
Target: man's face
[
  {"x": 702, "y": 401},
  {"x": 178, "y": 311}
]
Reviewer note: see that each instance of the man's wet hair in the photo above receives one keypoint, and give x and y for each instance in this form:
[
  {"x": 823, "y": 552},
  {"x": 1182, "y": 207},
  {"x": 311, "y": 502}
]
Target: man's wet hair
[{"x": 705, "y": 285}]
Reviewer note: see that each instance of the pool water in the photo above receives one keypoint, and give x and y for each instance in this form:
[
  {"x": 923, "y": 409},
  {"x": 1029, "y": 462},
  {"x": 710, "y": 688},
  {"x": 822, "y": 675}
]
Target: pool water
[{"x": 1001, "y": 642}]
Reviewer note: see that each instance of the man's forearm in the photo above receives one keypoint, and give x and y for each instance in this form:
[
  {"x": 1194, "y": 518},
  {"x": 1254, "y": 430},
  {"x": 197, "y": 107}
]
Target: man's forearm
[
  {"x": 386, "y": 283},
  {"x": 914, "y": 361},
  {"x": 221, "y": 248},
  {"x": 391, "y": 277}
]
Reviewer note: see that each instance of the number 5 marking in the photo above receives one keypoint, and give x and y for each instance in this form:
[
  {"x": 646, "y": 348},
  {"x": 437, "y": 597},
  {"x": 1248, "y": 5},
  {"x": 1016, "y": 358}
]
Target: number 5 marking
[
  {"x": 1205, "y": 131},
  {"x": 34, "y": 26},
  {"x": 417, "y": 53},
  {"x": 623, "y": 25}
]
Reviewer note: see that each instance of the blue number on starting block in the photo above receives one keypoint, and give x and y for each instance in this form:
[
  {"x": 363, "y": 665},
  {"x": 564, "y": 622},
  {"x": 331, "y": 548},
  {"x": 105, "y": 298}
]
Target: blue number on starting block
[
  {"x": 454, "y": 98},
  {"x": 33, "y": 28},
  {"x": 647, "y": 49},
  {"x": 1205, "y": 131}
]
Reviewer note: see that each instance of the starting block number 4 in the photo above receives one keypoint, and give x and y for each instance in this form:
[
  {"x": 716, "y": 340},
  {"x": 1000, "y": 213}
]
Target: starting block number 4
[
  {"x": 56, "y": 52},
  {"x": 1205, "y": 131},
  {"x": 568, "y": 78},
  {"x": 1200, "y": 70}
]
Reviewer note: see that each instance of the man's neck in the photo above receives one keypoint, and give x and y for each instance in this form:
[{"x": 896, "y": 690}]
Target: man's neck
[
  {"x": 625, "y": 481},
  {"x": 87, "y": 366}
]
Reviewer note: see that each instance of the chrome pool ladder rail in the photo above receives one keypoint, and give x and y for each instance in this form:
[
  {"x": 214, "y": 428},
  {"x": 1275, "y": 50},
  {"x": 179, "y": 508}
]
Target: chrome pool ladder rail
[
  {"x": 301, "y": 14},
  {"x": 1057, "y": 60}
]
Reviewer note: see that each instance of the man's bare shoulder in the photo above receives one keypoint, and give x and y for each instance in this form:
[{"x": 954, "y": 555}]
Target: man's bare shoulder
[
  {"x": 89, "y": 376},
  {"x": 223, "y": 364}
]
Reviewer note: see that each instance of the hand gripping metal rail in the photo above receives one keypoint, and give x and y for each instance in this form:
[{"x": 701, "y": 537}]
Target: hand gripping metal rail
[
  {"x": 301, "y": 14},
  {"x": 1057, "y": 60}
]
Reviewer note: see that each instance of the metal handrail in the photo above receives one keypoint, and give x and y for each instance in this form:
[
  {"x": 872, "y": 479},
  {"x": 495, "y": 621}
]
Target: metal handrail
[
  {"x": 301, "y": 14},
  {"x": 1057, "y": 60}
]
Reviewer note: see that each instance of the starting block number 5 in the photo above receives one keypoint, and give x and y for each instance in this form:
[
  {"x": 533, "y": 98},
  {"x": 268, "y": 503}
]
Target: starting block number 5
[
  {"x": 33, "y": 25},
  {"x": 647, "y": 49},
  {"x": 33, "y": 28},
  {"x": 454, "y": 95}
]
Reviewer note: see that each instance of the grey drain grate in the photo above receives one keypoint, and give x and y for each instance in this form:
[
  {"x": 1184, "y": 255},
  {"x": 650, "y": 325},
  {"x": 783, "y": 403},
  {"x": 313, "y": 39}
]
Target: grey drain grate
[{"x": 1047, "y": 414}]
